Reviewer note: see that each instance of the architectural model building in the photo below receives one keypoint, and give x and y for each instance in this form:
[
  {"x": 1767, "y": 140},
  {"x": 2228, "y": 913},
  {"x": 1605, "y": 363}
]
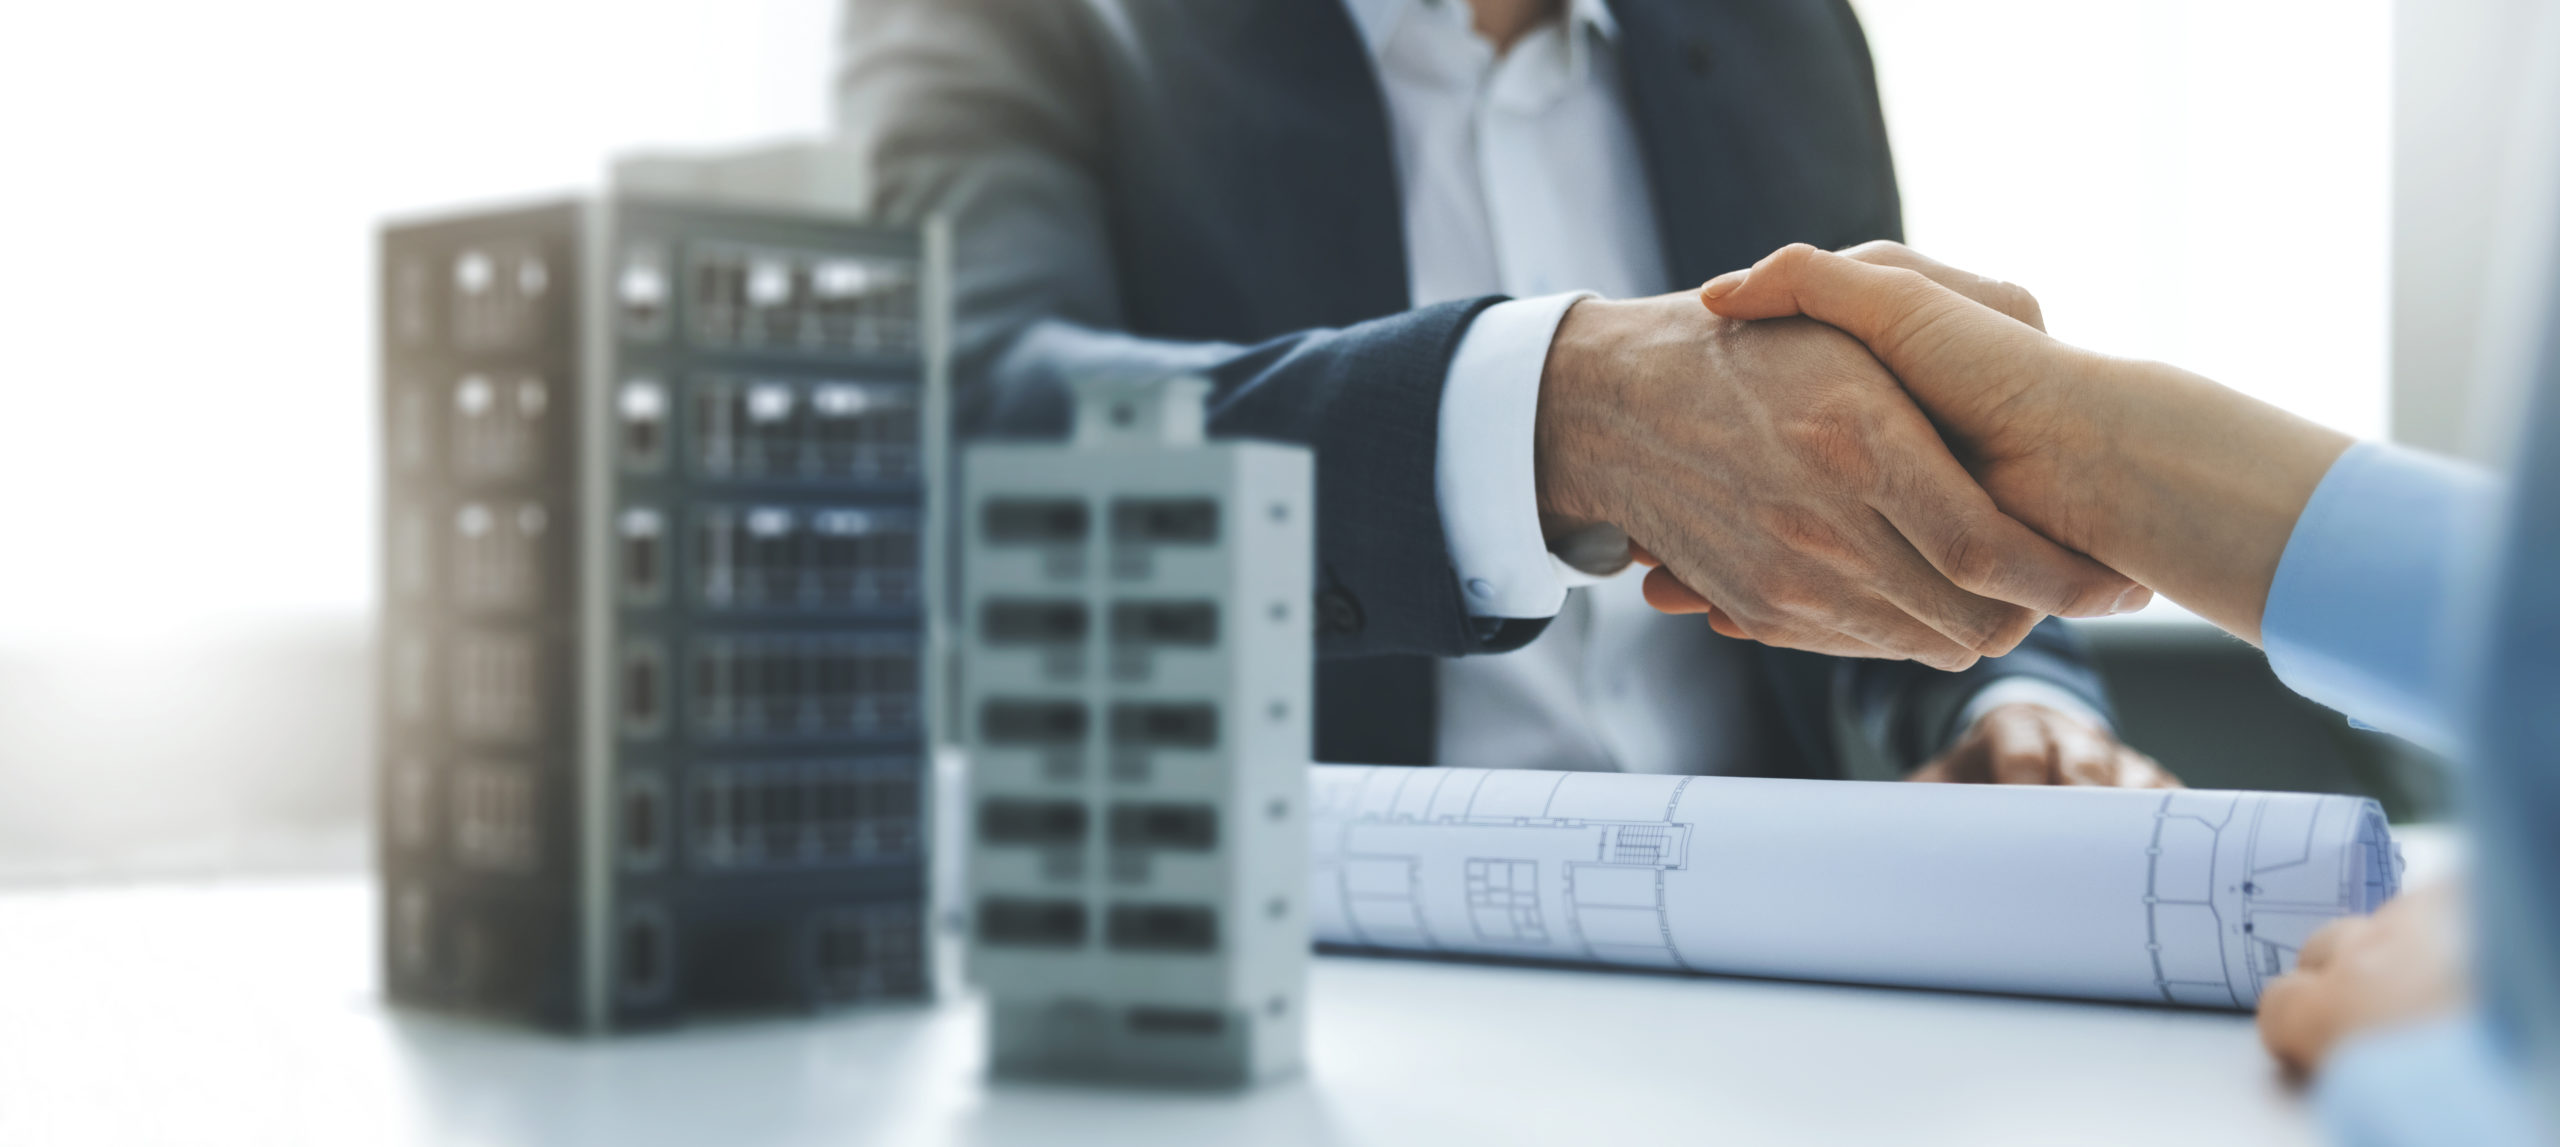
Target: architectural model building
[
  {"x": 1137, "y": 685},
  {"x": 657, "y": 654}
]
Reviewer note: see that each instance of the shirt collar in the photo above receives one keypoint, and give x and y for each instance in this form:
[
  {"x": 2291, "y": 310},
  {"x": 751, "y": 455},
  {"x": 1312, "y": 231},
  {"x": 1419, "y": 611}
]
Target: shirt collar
[{"x": 1376, "y": 19}]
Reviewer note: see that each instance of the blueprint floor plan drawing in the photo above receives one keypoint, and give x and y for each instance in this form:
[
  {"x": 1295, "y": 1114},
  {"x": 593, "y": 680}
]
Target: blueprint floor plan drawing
[{"x": 2184, "y": 897}]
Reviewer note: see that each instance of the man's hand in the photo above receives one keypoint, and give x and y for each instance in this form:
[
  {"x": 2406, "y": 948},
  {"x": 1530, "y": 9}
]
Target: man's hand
[
  {"x": 2029, "y": 744},
  {"x": 1781, "y": 471},
  {"x": 2403, "y": 964}
]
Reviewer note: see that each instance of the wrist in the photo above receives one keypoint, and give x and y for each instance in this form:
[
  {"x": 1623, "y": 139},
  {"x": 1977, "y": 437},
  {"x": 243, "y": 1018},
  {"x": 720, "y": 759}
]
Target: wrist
[
  {"x": 2076, "y": 402},
  {"x": 2043, "y": 447},
  {"x": 1574, "y": 405}
]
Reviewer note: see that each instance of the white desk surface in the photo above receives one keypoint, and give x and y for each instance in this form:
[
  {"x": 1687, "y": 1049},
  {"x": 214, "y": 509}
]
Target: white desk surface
[{"x": 247, "y": 1013}]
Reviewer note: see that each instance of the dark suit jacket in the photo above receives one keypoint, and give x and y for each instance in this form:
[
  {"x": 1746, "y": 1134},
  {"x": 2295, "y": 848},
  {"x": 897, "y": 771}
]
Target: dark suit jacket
[{"x": 1150, "y": 186}]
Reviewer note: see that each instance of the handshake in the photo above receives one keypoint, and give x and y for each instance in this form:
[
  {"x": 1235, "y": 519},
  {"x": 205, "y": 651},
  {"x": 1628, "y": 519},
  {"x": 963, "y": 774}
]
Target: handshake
[{"x": 1871, "y": 454}]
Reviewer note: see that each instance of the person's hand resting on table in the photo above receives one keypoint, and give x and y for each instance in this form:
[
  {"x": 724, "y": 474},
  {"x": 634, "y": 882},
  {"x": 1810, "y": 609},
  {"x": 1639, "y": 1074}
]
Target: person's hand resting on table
[
  {"x": 2403, "y": 964},
  {"x": 2030, "y": 744}
]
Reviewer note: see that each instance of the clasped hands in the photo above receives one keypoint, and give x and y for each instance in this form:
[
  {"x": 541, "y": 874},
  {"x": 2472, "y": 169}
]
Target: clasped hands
[
  {"x": 1785, "y": 482},
  {"x": 2002, "y": 474},
  {"x": 1791, "y": 486}
]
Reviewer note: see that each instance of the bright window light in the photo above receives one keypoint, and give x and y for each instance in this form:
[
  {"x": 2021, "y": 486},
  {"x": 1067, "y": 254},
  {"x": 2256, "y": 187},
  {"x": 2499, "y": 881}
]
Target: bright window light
[
  {"x": 192, "y": 303},
  {"x": 2202, "y": 182},
  {"x": 2199, "y": 182}
]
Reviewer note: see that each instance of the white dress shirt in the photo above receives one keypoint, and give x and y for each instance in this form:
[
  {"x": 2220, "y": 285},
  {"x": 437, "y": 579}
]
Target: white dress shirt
[{"x": 1522, "y": 176}]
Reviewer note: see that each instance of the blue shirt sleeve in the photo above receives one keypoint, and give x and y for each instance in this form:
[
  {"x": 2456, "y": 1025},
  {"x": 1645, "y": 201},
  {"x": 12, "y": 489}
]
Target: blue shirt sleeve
[
  {"x": 2442, "y": 1083},
  {"x": 2367, "y": 616},
  {"x": 2363, "y": 615}
]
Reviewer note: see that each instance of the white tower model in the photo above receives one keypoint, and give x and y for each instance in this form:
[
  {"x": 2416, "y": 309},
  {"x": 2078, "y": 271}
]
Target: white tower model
[{"x": 1137, "y": 686}]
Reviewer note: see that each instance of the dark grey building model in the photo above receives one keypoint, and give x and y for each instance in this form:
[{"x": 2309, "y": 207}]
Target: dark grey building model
[{"x": 656, "y": 688}]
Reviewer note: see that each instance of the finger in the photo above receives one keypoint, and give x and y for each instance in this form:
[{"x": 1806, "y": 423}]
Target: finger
[
  {"x": 1864, "y": 628},
  {"x": 1886, "y": 308},
  {"x": 1805, "y": 616},
  {"x": 1820, "y": 610},
  {"x": 1882, "y": 622},
  {"x": 1948, "y": 518},
  {"x": 2291, "y": 1014},
  {"x": 2021, "y": 748},
  {"x": 2082, "y": 755},
  {"x": 1832, "y": 637},
  {"x": 2007, "y": 298},
  {"x": 1908, "y": 580},
  {"x": 1856, "y": 579},
  {"x": 1916, "y": 597},
  {"x": 1641, "y": 556},
  {"x": 2337, "y": 936},
  {"x": 1937, "y": 772},
  {"x": 1664, "y": 591}
]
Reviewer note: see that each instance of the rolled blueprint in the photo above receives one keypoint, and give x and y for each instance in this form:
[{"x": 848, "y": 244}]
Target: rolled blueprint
[{"x": 2181, "y": 897}]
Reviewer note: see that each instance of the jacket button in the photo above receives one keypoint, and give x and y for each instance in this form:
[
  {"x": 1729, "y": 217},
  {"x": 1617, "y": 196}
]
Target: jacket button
[{"x": 1337, "y": 614}]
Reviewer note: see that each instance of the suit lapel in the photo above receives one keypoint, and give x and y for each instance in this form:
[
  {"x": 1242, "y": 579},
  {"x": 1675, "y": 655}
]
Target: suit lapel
[
  {"x": 1693, "y": 157},
  {"x": 1275, "y": 135},
  {"x": 1759, "y": 128}
]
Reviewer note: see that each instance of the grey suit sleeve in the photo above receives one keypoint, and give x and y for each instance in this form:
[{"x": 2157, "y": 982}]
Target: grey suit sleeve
[
  {"x": 986, "y": 112},
  {"x": 992, "y": 113}
]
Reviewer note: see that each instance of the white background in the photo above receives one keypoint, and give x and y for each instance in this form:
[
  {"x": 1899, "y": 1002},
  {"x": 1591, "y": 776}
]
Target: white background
[
  {"x": 195, "y": 190},
  {"x": 2204, "y": 182},
  {"x": 192, "y": 194},
  {"x": 193, "y": 197}
]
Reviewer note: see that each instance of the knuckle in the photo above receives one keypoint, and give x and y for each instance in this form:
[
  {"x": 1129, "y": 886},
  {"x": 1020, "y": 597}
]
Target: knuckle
[
  {"x": 1883, "y": 252},
  {"x": 1793, "y": 255},
  {"x": 1918, "y": 313},
  {"x": 2021, "y": 304},
  {"x": 1979, "y": 626},
  {"x": 1969, "y": 558},
  {"x": 1905, "y": 278},
  {"x": 1970, "y": 628},
  {"x": 2007, "y": 627}
]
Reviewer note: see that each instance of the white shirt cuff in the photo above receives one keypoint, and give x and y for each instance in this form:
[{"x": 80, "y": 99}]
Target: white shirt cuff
[
  {"x": 1487, "y": 475},
  {"x": 2029, "y": 691}
]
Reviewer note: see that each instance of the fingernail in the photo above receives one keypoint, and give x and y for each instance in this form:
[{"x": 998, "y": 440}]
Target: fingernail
[
  {"x": 1724, "y": 284},
  {"x": 2131, "y": 600}
]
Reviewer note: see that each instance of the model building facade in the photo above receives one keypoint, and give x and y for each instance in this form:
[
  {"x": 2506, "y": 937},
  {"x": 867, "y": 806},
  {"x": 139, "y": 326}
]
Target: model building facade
[
  {"x": 659, "y": 539},
  {"x": 1137, "y": 683}
]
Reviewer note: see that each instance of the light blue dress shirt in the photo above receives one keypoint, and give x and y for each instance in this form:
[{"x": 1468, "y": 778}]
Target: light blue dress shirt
[
  {"x": 2366, "y": 613},
  {"x": 2387, "y": 606}
]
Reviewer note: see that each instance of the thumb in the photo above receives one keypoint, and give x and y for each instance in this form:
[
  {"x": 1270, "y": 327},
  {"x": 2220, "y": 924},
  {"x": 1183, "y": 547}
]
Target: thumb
[{"x": 1884, "y": 307}]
